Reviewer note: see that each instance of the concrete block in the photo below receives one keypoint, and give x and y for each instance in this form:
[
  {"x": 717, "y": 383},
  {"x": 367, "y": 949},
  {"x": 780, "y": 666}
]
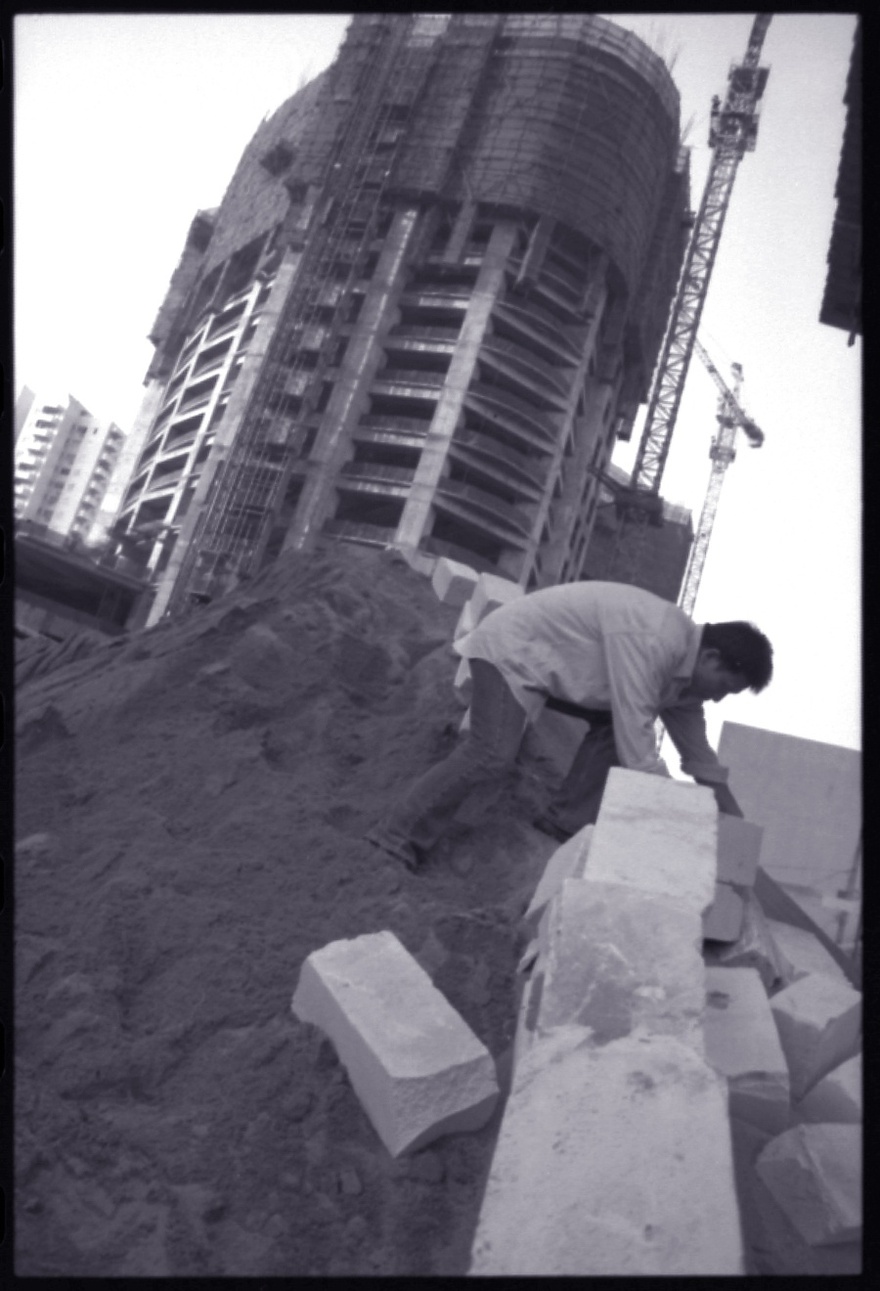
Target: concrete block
[
  {"x": 452, "y": 582},
  {"x": 803, "y": 953},
  {"x": 814, "y": 1173},
  {"x": 567, "y": 862},
  {"x": 616, "y": 959},
  {"x": 612, "y": 1159},
  {"x": 723, "y": 921},
  {"x": 819, "y": 1021},
  {"x": 492, "y": 591},
  {"x": 739, "y": 849},
  {"x": 415, "y": 1065},
  {"x": 463, "y": 682},
  {"x": 742, "y": 1044},
  {"x": 466, "y": 621},
  {"x": 754, "y": 948},
  {"x": 656, "y": 834},
  {"x": 836, "y": 1098}
]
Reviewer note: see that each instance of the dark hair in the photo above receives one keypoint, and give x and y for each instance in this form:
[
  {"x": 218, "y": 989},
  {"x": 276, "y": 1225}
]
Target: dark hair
[{"x": 743, "y": 649}]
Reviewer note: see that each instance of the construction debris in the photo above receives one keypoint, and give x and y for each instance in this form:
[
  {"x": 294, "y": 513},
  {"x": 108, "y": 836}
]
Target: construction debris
[
  {"x": 418, "y": 1069},
  {"x": 814, "y": 1173}
]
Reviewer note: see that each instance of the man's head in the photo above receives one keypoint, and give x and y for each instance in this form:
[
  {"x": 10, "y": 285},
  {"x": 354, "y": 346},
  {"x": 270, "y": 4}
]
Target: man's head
[{"x": 733, "y": 657}]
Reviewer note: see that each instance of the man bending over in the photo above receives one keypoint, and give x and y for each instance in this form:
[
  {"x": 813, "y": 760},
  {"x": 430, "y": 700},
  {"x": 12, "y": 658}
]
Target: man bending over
[{"x": 613, "y": 654}]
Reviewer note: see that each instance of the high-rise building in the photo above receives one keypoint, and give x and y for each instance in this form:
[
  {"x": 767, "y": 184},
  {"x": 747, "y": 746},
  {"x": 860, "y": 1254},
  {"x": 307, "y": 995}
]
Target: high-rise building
[
  {"x": 64, "y": 457},
  {"x": 429, "y": 303}
]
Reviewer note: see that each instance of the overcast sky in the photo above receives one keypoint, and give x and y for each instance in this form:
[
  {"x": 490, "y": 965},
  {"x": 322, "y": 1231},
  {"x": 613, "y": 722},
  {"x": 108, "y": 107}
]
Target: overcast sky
[{"x": 127, "y": 124}]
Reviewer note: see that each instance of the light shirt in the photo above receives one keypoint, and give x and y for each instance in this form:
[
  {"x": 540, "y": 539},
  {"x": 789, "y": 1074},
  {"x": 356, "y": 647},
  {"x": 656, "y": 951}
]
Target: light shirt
[{"x": 607, "y": 646}]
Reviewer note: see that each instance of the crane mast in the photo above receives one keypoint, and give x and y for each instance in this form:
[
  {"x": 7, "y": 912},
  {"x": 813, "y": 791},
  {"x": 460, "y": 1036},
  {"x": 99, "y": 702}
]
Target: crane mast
[
  {"x": 733, "y": 131},
  {"x": 730, "y": 419}
]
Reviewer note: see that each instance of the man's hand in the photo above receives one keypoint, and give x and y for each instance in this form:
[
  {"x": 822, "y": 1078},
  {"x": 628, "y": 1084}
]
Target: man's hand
[
  {"x": 724, "y": 798},
  {"x": 726, "y": 801}
]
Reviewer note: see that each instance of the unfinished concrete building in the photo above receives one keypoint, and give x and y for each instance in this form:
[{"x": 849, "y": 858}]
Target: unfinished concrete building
[{"x": 429, "y": 303}]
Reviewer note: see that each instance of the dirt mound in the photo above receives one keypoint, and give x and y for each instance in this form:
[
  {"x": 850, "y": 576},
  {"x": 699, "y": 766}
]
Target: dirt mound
[{"x": 190, "y": 807}]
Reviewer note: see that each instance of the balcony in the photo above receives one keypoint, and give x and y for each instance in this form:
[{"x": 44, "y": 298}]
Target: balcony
[
  {"x": 536, "y": 327},
  {"x": 380, "y": 474},
  {"x": 503, "y": 464},
  {"x": 538, "y": 429},
  {"x": 510, "y": 519}
]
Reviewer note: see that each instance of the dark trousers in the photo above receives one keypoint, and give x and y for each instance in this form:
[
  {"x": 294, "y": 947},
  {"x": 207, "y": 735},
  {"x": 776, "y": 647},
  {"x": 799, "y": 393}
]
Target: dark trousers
[
  {"x": 577, "y": 800},
  {"x": 497, "y": 723}
]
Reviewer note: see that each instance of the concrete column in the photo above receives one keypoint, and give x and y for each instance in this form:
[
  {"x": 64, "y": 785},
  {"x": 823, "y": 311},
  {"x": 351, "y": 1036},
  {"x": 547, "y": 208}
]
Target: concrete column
[
  {"x": 417, "y": 512},
  {"x": 352, "y": 386}
]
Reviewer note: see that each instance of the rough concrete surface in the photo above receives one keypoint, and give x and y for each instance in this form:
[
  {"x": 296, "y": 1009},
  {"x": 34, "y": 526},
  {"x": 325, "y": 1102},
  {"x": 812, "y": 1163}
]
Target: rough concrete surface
[
  {"x": 723, "y": 921},
  {"x": 567, "y": 862},
  {"x": 819, "y": 1021},
  {"x": 453, "y": 583},
  {"x": 418, "y": 1069},
  {"x": 739, "y": 849},
  {"x": 613, "y": 1159},
  {"x": 803, "y": 953},
  {"x": 658, "y": 835},
  {"x": 618, "y": 960},
  {"x": 742, "y": 1044},
  {"x": 754, "y": 948},
  {"x": 837, "y": 1097},
  {"x": 815, "y": 1174}
]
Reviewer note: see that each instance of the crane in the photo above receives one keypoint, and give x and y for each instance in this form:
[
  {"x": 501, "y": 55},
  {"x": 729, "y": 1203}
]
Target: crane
[
  {"x": 733, "y": 131},
  {"x": 731, "y": 418}
]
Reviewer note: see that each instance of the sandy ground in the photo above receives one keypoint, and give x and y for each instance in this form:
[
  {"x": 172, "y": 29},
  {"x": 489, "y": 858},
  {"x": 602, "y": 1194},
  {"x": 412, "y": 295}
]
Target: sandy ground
[{"x": 198, "y": 795}]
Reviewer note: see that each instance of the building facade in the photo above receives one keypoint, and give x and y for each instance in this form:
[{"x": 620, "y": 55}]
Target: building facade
[
  {"x": 64, "y": 457},
  {"x": 428, "y": 305}
]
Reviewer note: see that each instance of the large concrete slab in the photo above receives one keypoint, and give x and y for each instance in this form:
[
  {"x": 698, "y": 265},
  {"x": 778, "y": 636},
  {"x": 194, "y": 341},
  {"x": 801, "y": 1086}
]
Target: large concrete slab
[
  {"x": 724, "y": 919},
  {"x": 836, "y": 1098},
  {"x": 819, "y": 1020},
  {"x": 453, "y": 583},
  {"x": 617, "y": 960},
  {"x": 416, "y": 1066},
  {"x": 739, "y": 849},
  {"x": 612, "y": 1159},
  {"x": 803, "y": 953},
  {"x": 658, "y": 835},
  {"x": 742, "y": 1044},
  {"x": 814, "y": 1173}
]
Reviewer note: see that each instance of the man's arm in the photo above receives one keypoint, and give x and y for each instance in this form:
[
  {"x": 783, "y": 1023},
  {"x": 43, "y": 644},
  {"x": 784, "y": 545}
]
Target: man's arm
[
  {"x": 634, "y": 665},
  {"x": 686, "y": 727}
]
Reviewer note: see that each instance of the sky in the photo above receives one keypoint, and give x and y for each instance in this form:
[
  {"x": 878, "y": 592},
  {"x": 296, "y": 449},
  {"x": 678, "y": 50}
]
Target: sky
[{"x": 127, "y": 124}]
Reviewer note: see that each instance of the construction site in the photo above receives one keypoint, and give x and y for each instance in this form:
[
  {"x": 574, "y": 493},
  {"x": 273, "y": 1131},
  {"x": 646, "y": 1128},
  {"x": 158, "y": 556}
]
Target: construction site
[{"x": 390, "y": 371}]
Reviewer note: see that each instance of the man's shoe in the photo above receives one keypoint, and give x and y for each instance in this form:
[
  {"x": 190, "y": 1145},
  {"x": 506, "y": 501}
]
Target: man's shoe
[
  {"x": 548, "y": 826},
  {"x": 412, "y": 856}
]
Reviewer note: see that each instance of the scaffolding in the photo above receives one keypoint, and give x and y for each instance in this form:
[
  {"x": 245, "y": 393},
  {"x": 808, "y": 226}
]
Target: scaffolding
[{"x": 248, "y": 487}]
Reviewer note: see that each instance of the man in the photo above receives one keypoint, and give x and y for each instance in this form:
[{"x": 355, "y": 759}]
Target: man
[{"x": 611, "y": 653}]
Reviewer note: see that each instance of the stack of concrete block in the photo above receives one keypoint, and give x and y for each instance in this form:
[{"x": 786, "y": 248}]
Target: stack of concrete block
[
  {"x": 801, "y": 1187},
  {"x": 417, "y": 1068},
  {"x": 614, "y": 1155},
  {"x": 739, "y": 850}
]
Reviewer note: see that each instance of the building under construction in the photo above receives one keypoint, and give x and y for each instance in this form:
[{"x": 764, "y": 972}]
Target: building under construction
[{"x": 431, "y": 300}]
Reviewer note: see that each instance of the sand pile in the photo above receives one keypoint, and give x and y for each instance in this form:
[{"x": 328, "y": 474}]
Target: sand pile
[{"x": 190, "y": 806}]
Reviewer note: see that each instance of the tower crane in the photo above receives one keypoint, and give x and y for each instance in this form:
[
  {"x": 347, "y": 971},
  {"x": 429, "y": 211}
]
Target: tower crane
[
  {"x": 733, "y": 131},
  {"x": 731, "y": 418}
]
